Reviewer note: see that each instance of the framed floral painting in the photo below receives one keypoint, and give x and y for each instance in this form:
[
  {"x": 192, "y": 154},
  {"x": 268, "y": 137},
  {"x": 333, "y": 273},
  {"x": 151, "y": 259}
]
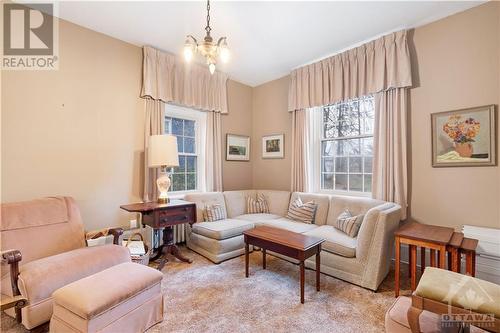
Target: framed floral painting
[{"x": 464, "y": 137}]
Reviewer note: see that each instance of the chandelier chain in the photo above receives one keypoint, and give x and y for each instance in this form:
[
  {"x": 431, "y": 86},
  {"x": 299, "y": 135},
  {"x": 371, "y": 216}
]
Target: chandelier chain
[{"x": 207, "y": 28}]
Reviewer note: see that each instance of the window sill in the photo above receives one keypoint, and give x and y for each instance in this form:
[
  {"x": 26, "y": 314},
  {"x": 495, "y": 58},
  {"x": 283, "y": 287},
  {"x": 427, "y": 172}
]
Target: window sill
[{"x": 348, "y": 193}]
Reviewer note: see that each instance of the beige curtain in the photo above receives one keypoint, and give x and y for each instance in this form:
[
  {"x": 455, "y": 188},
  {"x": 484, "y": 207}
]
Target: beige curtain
[
  {"x": 390, "y": 178},
  {"x": 153, "y": 125},
  {"x": 376, "y": 66},
  {"x": 300, "y": 151},
  {"x": 170, "y": 80},
  {"x": 213, "y": 152}
]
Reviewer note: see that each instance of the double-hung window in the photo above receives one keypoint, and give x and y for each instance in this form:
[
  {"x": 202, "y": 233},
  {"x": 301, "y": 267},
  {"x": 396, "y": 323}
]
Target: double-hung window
[
  {"x": 188, "y": 126},
  {"x": 347, "y": 146}
]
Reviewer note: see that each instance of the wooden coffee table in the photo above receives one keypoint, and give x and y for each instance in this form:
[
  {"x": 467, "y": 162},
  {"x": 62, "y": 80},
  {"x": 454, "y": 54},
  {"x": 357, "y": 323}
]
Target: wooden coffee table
[{"x": 287, "y": 243}]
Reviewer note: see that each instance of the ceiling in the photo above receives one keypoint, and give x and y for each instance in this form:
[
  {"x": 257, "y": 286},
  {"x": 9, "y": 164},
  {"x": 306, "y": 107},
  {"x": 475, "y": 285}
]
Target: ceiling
[{"x": 267, "y": 38}]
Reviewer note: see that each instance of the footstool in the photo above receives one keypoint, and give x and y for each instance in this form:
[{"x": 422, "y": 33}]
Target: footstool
[{"x": 123, "y": 298}]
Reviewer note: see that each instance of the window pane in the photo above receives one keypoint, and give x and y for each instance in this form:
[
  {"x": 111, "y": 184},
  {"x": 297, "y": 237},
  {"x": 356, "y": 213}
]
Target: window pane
[
  {"x": 368, "y": 126},
  {"x": 340, "y": 148},
  {"x": 327, "y": 181},
  {"x": 341, "y": 164},
  {"x": 182, "y": 165},
  {"x": 341, "y": 182},
  {"x": 191, "y": 163},
  {"x": 356, "y": 183},
  {"x": 177, "y": 126},
  {"x": 189, "y": 145},
  {"x": 168, "y": 122},
  {"x": 355, "y": 164},
  {"x": 353, "y": 147},
  {"x": 180, "y": 144},
  {"x": 368, "y": 165},
  {"x": 328, "y": 164},
  {"x": 368, "y": 146},
  {"x": 368, "y": 183},
  {"x": 191, "y": 181},
  {"x": 178, "y": 182},
  {"x": 189, "y": 128},
  {"x": 327, "y": 148}
]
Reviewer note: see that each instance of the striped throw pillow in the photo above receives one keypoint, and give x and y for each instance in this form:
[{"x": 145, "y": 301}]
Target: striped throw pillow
[
  {"x": 213, "y": 213},
  {"x": 349, "y": 224},
  {"x": 256, "y": 206},
  {"x": 302, "y": 212}
]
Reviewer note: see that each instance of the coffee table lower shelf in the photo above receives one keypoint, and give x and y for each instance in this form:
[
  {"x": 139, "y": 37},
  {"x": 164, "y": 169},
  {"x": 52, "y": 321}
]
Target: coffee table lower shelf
[{"x": 287, "y": 243}]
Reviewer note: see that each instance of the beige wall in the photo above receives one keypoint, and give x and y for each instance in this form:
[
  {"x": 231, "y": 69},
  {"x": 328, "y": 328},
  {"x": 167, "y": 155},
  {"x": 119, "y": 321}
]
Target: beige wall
[
  {"x": 78, "y": 131},
  {"x": 457, "y": 61},
  {"x": 270, "y": 116},
  {"x": 236, "y": 174}
]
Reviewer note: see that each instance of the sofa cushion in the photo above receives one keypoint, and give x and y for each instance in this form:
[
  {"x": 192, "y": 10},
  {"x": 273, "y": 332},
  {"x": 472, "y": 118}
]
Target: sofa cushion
[
  {"x": 213, "y": 213},
  {"x": 236, "y": 203},
  {"x": 336, "y": 241},
  {"x": 349, "y": 224},
  {"x": 222, "y": 229},
  {"x": 258, "y": 218},
  {"x": 204, "y": 199},
  {"x": 287, "y": 224},
  {"x": 278, "y": 201},
  {"x": 302, "y": 211},
  {"x": 38, "y": 279},
  {"x": 355, "y": 205},
  {"x": 259, "y": 205},
  {"x": 321, "y": 200}
]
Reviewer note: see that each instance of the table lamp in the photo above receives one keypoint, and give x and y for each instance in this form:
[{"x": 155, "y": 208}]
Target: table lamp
[{"x": 162, "y": 153}]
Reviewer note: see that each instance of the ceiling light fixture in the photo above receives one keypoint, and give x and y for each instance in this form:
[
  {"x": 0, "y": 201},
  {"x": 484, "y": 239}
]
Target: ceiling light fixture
[{"x": 208, "y": 48}]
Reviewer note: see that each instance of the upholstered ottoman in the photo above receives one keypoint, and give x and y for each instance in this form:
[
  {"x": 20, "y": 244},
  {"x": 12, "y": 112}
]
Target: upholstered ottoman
[{"x": 123, "y": 298}]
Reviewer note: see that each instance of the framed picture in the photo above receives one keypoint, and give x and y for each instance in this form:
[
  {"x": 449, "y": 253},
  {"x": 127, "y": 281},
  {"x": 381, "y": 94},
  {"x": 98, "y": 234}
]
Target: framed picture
[
  {"x": 464, "y": 137},
  {"x": 273, "y": 146},
  {"x": 237, "y": 147}
]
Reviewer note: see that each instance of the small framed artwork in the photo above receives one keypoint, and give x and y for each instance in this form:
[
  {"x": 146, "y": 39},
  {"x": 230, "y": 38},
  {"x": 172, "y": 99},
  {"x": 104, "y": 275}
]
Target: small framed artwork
[
  {"x": 273, "y": 146},
  {"x": 237, "y": 147},
  {"x": 464, "y": 137}
]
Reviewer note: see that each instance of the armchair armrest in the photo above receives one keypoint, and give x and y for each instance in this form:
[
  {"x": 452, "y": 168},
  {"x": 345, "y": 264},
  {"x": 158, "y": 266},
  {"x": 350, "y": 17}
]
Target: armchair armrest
[
  {"x": 12, "y": 258},
  {"x": 116, "y": 232},
  {"x": 7, "y": 302}
]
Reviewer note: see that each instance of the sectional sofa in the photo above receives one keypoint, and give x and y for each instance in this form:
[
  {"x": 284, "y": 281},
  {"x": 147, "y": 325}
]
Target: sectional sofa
[{"x": 363, "y": 260}]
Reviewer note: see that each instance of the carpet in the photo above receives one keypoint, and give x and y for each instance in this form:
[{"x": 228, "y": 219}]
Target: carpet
[{"x": 204, "y": 297}]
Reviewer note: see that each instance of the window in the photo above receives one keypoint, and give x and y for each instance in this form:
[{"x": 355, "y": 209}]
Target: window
[
  {"x": 347, "y": 146},
  {"x": 189, "y": 127}
]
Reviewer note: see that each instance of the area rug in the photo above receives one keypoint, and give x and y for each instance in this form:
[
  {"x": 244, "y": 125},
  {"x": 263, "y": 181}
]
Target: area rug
[{"x": 205, "y": 297}]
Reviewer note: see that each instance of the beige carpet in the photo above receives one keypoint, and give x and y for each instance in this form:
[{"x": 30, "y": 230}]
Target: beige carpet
[{"x": 204, "y": 297}]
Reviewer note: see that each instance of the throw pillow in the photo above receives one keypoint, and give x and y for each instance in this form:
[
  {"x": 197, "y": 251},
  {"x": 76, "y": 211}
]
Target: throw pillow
[
  {"x": 213, "y": 213},
  {"x": 349, "y": 224},
  {"x": 302, "y": 212},
  {"x": 256, "y": 206}
]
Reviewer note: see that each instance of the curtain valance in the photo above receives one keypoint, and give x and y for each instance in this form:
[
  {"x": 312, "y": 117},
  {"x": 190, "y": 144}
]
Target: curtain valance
[
  {"x": 169, "y": 80},
  {"x": 376, "y": 66}
]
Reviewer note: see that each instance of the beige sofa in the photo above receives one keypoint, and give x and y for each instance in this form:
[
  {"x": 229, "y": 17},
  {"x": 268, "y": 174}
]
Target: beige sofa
[{"x": 363, "y": 260}]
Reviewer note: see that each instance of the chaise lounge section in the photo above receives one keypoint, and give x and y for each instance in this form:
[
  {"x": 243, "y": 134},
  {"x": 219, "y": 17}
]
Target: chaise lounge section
[{"x": 363, "y": 260}]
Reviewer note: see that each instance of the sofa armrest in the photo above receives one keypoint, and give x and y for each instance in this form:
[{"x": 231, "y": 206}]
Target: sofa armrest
[
  {"x": 12, "y": 258},
  {"x": 116, "y": 232}
]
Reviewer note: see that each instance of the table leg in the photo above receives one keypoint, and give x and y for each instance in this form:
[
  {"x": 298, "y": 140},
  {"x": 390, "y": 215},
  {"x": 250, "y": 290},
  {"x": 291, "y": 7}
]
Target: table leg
[
  {"x": 264, "y": 258},
  {"x": 454, "y": 260},
  {"x": 442, "y": 258},
  {"x": 449, "y": 259},
  {"x": 422, "y": 260},
  {"x": 318, "y": 272},
  {"x": 302, "y": 278},
  {"x": 246, "y": 259},
  {"x": 433, "y": 257},
  {"x": 468, "y": 263},
  {"x": 473, "y": 254},
  {"x": 413, "y": 267},
  {"x": 396, "y": 267}
]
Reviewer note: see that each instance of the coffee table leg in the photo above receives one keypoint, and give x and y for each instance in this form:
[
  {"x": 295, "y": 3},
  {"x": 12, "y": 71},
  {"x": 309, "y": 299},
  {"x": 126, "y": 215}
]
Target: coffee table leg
[
  {"x": 246, "y": 259},
  {"x": 318, "y": 266},
  {"x": 302, "y": 276},
  {"x": 264, "y": 258}
]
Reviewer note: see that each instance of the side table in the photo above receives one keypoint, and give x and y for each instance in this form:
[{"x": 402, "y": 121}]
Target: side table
[{"x": 164, "y": 217}]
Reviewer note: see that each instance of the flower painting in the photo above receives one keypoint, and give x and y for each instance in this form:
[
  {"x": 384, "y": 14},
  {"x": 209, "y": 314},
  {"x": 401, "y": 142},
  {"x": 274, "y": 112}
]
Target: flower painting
[{"x": 464, "y": 137}]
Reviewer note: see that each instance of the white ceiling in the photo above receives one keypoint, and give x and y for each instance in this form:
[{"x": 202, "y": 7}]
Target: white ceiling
[{"x": 267, "y": 38}]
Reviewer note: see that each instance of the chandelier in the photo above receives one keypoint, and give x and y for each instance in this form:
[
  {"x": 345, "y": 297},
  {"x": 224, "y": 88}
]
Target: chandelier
[{"x": 207, "y": 48}]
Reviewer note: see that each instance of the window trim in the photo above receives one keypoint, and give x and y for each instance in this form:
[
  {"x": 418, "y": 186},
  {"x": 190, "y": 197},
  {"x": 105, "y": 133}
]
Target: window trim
[{"x": 200, "y": 118}]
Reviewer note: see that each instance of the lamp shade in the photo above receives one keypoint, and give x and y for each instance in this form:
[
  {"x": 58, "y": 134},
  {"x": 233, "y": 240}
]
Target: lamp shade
[{"x": 162, "y": 151}]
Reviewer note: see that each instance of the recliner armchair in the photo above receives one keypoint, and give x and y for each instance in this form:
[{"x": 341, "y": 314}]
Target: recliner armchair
[{"x": 43, "y": 246}]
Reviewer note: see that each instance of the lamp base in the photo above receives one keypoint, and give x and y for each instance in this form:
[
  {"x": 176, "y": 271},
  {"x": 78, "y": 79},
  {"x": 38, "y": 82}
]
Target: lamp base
[
  {"x": 163, "y": 200},
  {"x": 163, "y": 184}
]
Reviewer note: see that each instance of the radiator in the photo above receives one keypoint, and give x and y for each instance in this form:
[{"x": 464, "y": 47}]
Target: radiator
[
  {"x": 487, "y": 253},
  {"x": 179, "y": 235}
]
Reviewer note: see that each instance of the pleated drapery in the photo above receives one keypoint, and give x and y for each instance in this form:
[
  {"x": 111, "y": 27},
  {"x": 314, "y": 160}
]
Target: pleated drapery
[
  {"x": 213, "y": 153},
  {"x": 167, "y": 79},
  {"x": 376, "y": 66},
  {"x": 390, "y": 170},
  {"x": 300, "y": 151}
]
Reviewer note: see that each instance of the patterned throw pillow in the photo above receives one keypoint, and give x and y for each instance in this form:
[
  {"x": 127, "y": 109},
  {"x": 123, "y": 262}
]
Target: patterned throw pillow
[
  {"x": 349, "y": 224},
  {"x": 257, "y": 206},
  {"x": 302, "y": 212},
  {"x": 213, "y": 213}
]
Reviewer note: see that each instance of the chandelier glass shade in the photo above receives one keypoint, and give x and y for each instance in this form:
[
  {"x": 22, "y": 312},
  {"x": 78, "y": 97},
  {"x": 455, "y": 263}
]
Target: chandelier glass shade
[{"x": 212, "y": 51}]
